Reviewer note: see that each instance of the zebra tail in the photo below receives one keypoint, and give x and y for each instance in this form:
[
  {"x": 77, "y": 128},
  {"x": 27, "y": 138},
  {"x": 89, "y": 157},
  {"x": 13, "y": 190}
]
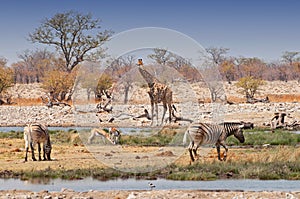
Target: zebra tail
[{"x": 186, "y": 134}]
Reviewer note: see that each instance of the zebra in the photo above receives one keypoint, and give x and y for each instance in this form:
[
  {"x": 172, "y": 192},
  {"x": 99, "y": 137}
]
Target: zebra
[
  {"x": 203, "y": 133},
  {"x": 37, "y": 134},
  {"x": 113, "y": 135}
]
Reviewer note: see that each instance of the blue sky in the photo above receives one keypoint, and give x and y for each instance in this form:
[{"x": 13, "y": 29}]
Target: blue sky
[{"x": 256, "y": 28}]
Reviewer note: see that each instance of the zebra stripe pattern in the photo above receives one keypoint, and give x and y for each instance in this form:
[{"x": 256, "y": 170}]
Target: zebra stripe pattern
[
  {"x": 37, "y": 134},
  {"x": 203, "y": 133}
]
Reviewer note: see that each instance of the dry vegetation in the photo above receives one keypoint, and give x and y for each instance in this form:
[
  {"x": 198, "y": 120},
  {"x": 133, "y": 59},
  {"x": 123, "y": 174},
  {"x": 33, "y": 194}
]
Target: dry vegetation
[{"x": 277, "y": 91}]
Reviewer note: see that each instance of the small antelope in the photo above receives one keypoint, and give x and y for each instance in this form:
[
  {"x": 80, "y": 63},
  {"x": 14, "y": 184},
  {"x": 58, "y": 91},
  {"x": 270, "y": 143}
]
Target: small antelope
[
  {"x": 37, "y": 134},
  {"x": 113, "y": 135}
]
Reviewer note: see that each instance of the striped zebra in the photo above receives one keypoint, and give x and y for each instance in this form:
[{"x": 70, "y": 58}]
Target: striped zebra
[
  {"x": 37, "y": 134},
  {"x": 202, "y": 133}
]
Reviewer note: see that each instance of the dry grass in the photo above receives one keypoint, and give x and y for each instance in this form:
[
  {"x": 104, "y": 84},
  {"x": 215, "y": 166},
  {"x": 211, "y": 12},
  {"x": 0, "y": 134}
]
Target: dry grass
[
  {"x": 27, "y": 102},
  {"x": 272, "y": 98},
  {"x": 284, "y": 98},
  {"x": 234, "y": 99},
  {"x": 276, "y": 154}
]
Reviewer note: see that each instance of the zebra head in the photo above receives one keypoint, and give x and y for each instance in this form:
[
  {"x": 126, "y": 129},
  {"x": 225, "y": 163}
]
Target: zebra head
[
  {"x": 47, "y": 149},
  {"x": 238, "y": 133}
]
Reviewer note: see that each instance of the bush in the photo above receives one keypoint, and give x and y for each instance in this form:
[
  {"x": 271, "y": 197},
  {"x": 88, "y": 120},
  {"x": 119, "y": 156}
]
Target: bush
[
  {"x": 249, "y": 86},
  {"x": 6, "y": 79},
  {"x": 59, "y": 84}
]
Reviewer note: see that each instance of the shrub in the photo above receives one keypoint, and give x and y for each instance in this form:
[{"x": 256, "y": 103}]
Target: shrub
[
  {"x": 249, "y": 86},
  {"x": 6, "y": 79}
]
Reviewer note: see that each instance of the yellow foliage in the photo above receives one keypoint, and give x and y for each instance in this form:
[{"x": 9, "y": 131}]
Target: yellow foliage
[
  {"x": 249, "y": 85},
  {"x": 59, "y": 83},
  {"x": 6, "y": 78}
]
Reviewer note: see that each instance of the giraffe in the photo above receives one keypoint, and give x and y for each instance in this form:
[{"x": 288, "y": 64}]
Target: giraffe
[{"x": 158, "y": 92}]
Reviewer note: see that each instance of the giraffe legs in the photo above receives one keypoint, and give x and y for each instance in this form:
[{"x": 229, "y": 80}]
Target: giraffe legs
[
  {"x": 154, "y": 106},
  {"x": 156, "y": 111},
  {"x": 164, "y": 113},
  {"x": 152, "y": 113},
  {"x": 170, "y": 112}
]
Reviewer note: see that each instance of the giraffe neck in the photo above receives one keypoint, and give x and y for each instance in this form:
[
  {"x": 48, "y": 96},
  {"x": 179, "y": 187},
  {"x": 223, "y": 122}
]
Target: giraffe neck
[{"x": 150, "y": 79}]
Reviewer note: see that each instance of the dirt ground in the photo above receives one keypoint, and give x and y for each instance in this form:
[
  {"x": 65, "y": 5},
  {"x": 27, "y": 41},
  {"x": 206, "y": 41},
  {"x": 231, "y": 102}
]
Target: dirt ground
[
  {"x": 68, "y": 156},
  {"x": 172, "y": 194}
]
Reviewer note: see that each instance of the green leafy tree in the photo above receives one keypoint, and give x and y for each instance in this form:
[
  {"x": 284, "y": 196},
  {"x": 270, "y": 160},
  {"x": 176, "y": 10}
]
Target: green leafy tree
[
  {"x": 249, "y": 86},
  {"x": 72, "y": 34}
]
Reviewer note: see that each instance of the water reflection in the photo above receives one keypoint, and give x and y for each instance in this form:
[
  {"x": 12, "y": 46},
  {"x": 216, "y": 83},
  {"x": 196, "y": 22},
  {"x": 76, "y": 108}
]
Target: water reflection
[
  {"x": 134, "y": 184},
  {"x": 38, "y": 181}
]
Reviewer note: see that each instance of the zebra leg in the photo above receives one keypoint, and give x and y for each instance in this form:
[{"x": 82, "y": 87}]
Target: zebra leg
[
  {"x": 190, "y": 150},
  {"x": 225, "y": 152},
  {"x": 195, "y": 151},
  {"x": 39, "y": 150},
  {"x": 26, "y": 149},
  {"x": 44, "y": 153},
  {"x": 32, "y": 151},
  {"x": 219, "y": 151},
  {"x": 26, "y": 153}
]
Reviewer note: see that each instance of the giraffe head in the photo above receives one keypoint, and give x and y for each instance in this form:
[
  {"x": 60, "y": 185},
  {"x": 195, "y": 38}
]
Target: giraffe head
[{"x": 140, "y": 62}]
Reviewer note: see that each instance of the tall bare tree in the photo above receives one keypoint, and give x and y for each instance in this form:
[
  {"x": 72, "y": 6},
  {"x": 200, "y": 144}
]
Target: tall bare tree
[
  {"x": 73, "y": 34},
  {"x": 32, "y": 66},
  {"x": 252, "y": 66},
  {"x": 161, "y": 56},
  {"x": 289, "y": 57},
  {"x": 217, "y": 54},
  {"x": 227, "y": 69}
]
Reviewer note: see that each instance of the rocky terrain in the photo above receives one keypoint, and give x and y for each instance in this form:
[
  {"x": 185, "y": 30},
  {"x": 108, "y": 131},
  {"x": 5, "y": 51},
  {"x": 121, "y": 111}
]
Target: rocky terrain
[{"x": 192, "y": 102}]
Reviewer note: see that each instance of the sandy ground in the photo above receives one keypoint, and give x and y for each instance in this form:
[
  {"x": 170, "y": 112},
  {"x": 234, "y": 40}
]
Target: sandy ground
[
  {"x": 172, "y": 194},
  {"x": 68, "y": 156}
]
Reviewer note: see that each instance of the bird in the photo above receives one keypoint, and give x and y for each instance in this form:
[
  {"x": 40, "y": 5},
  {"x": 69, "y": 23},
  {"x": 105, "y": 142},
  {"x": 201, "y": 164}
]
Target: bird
[{"x": 151, "y": 185}]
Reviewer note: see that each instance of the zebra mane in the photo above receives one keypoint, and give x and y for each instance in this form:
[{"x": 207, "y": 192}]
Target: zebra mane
[{"x": 231, "y": 123}]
